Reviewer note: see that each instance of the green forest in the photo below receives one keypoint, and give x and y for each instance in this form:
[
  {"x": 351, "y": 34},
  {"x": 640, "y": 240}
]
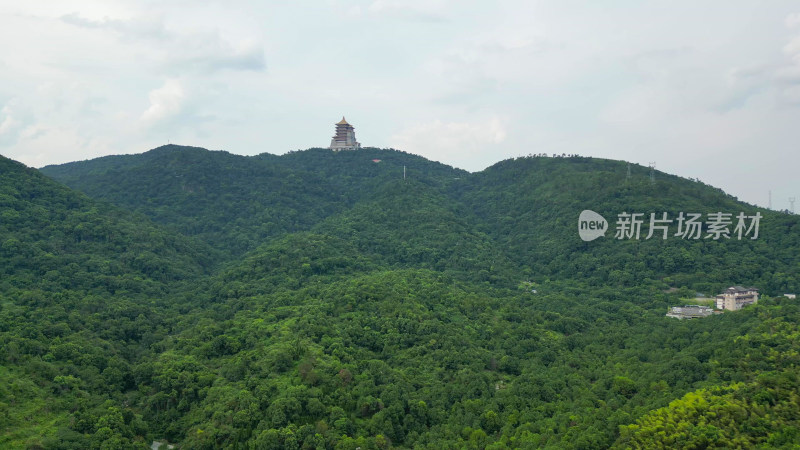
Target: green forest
[{"x": 323, "y": 300}]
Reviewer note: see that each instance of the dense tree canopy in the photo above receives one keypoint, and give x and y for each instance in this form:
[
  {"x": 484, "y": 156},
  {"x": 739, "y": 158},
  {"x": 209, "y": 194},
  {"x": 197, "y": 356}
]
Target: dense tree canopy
[{"x": 317, "y": 300}]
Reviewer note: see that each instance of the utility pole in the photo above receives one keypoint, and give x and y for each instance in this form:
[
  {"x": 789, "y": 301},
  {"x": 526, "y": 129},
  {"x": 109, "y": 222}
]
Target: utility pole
[{"x": 769, "y": 204}]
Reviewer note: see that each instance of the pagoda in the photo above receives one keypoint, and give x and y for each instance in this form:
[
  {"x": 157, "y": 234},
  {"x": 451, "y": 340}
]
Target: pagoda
[{"x": 345, "y": 138}]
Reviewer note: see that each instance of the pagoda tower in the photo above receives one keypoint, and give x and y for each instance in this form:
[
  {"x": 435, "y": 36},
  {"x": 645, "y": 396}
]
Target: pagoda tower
[{"x": 345, "y": 138}]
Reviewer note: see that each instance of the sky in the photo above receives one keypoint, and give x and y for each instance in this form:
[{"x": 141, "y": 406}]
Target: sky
[{"x": 706, "y": 90}]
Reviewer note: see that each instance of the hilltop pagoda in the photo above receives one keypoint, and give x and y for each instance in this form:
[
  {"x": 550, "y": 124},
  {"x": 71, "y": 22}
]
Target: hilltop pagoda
[{"x": 345, "y": 138}]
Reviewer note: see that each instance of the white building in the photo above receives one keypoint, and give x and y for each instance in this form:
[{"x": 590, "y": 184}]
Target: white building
[
  {"x": 689, "y": 312},
  {"x": 736, "y": 297}
]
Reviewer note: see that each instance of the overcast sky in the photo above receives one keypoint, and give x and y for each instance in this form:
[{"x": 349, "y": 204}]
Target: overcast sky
[{"x": 706, "y": 89}]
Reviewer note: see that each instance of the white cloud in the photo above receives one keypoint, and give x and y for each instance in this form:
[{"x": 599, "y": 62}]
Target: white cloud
[
  {"x": 146, "y": 27},
  {"x": 166, "y": 103},
  {"x": 56, "y": 145},
  {"x": 13, "y": 121},
  {"x": 420, "y": 10},
  {"x": 8, "y": 125},
  {"x": 208, "y": 52},
  {"x": 788, "y": 77},
  {"x": 791, "y": 94},
  {"x": 793, "y": 49},
  {"x": 793, "y": 20},
  {"x": 203, "y": 51},
  {"x": 458, "y": 143}
]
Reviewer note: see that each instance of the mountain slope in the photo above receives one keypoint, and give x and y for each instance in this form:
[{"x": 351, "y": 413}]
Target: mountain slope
[
  {"x": 525, "y": 208},
  {"x": 235, "y": 202},
  {"x": 46, "y": 227},
  {"x": 530, "y": 206},
  {"x": 446, "y": 310},
  {"x": 420, "y": 360},
  {"x": 82, "y": 289},
  {"x": 410, "y": 224}
]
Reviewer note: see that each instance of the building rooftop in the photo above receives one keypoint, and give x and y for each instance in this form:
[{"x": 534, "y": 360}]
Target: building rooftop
[
  {"x": 740, "y": 289},
  {"x": 689, "y": 312},
  {"x": 342, "y": 122}
]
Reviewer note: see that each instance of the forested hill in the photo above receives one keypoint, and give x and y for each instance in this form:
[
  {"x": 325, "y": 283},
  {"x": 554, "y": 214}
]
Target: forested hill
[
  {"x": 530, "y": 207},
  {"x": 236, "y": 202},
  {"x": 320, "y": 300},
  {"x": 53, "y": 237},
  {"x": 83, "y": 289},
  {"x": 523, "y": 212}
]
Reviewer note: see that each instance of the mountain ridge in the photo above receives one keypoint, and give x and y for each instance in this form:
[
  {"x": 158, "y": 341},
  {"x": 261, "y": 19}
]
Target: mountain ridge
[{"x": 526, "y": 206}]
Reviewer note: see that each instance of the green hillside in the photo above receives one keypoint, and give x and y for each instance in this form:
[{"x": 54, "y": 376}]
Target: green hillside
[
  {"x": 526, "y": 209},
  {"x": 318, "y": 300},
  {"x": 411, "y": 224},
  {"x": 530, "y": 207},
  {"x": 83, "y": 289},
  {"x": 234, "y": 202}
]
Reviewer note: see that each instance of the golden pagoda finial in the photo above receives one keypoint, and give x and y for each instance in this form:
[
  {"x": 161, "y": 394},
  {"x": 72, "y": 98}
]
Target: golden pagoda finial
[{"x": 343, "y": 122}]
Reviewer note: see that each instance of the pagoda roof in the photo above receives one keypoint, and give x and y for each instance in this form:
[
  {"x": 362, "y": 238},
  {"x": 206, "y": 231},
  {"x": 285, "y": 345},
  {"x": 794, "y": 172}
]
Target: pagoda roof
[{"x": 342, "y": 122}]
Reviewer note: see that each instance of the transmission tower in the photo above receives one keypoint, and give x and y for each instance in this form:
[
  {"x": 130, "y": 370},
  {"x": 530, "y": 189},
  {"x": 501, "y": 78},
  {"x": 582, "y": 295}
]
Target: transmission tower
[
  {"x": 791, "y": 204},
  {"x": 653, "y": 172}
]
